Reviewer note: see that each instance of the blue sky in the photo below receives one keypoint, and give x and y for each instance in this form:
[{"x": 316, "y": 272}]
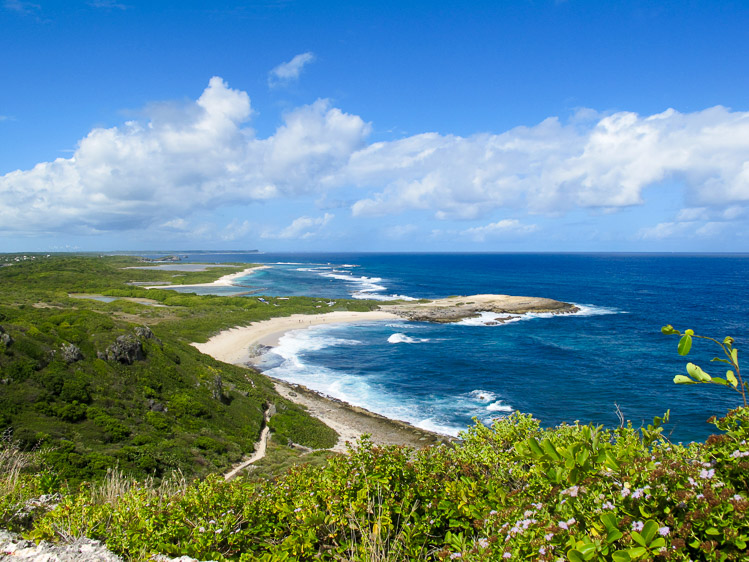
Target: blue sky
[{"x": 374, "y": 126}]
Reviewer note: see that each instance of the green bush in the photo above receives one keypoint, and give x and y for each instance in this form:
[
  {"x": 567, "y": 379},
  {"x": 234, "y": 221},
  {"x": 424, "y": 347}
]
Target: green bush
[{"x": 290, "y": 425}]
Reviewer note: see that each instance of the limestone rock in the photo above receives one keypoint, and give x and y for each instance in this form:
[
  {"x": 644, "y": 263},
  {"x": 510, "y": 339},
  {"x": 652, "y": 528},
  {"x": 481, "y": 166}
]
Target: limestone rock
[
  {"x": 455, "y": 309},
  {"x": 12, "y": 547},
  {"x": 144, "y": 332},
  {"x": 126, "y": 350},
  {"x": 70, "y": 353}
]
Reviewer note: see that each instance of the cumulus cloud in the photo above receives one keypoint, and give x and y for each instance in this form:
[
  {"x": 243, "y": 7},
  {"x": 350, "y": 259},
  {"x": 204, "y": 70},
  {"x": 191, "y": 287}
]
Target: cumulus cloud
[
  {"x": 301, "y": 228},
  {"x": 202, "y": 155},
  {"x": 553, "y": 167},
  {"x": 289, "y": 71},
  {"x": 182, "y": 159}
]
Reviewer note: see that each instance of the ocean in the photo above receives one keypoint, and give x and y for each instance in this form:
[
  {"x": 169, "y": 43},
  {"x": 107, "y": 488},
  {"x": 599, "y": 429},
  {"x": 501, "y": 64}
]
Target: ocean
[{"x": 611, "y": 355}]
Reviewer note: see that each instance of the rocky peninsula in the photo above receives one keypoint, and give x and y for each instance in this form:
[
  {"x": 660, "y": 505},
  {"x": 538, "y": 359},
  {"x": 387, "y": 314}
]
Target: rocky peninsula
[{"x": 455, "y": 309}]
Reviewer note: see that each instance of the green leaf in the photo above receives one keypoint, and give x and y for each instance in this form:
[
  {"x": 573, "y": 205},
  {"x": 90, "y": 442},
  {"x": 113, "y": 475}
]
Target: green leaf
[
  {"x": 669, "y": 330},
  {"x": 609, "y": 521},
  {"x": 689, "y": 332},
  {"x": 685, "y": 344},
  {"x": 587, "y": 550},
  {"x": 681, "y": 379},
  {"x": 660, "y": 542},
  {"x": 726, "y": 361},
  {"x": 636, "y": 552},
  {"x": 620, "y": 556},
  {"x": 735, "y": 356},
  {"x": 728, "y": 340},
  {"x": 731, "y": 378},
  {"x": 638, "y": 538},
  {"x": 712, "y": 531},
  {"x": 535, "y": 448},
  {"x": 720, "y": 381},
  {"x": 613, "y": 536},
  {"x": 549, "y": 449},
  {"x": 575, "y": 556},
  {"x": 649, "y": 531},
  {"x": 697, "y": 373}
]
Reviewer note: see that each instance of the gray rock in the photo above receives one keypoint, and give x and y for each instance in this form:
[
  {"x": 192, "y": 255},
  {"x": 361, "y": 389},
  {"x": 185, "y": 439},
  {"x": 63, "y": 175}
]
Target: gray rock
[
  {"x": 218, "y": 389},
  {"x": 126, "y": 350},
  {"x": 12, "y": 547},
  {"x": 71, "y": 353},
  {"x": 144, "y": 332},
  {"x": 156, "y": 406}
]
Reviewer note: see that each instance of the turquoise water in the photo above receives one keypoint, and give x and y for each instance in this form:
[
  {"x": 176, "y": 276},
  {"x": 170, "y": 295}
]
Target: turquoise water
[{"x": 559, "y": 368}]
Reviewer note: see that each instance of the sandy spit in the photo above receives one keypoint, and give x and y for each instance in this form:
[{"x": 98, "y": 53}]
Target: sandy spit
[{"x": 225, "y": 281}]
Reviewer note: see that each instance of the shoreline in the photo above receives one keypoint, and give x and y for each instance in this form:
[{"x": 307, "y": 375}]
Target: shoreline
[
  {"x": 233, "y": 345},
  {"x": 348, "y": 420},
  {"x": 224, "y": 281}
]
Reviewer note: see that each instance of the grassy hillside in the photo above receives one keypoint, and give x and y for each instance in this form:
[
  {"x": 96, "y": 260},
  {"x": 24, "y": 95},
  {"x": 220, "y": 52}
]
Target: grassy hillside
[{"x": 117, "y": 384}]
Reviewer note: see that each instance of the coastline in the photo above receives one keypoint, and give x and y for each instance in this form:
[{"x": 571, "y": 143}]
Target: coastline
[
  {"x": 349, "y": 421},
  {"x": 233, "y": 345},
  {"x": 224, "y": 281}
]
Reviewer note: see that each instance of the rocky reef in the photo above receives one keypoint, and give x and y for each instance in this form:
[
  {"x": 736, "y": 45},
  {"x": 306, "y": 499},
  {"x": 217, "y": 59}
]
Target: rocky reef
[{"x": 455, "y": 309}]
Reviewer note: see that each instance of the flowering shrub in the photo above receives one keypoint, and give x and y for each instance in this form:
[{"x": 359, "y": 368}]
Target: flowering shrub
[{"x": 608, "y": 496}]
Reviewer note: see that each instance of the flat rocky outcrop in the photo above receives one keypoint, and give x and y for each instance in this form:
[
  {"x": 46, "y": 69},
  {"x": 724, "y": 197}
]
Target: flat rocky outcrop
[{"x": 455, "y": 309}]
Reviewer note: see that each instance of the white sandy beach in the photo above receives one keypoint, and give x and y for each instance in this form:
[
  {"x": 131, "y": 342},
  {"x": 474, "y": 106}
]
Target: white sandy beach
[
  {"x": 233, "y": 346},
  {"x": 225, "y": 281}
]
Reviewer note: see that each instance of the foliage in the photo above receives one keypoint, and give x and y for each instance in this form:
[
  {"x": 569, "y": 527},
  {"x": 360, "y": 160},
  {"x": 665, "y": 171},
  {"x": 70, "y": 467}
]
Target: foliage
[
  {"x": 490, "y": 497},
  {"x": 697, "y": 375},
  {"x": 292, "y": 425},
  {"x": 160, "y": 413}
]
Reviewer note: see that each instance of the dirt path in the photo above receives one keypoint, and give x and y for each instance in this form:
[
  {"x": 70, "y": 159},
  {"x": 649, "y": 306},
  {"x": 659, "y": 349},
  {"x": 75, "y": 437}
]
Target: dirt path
[{"x": 260, "y": 447}]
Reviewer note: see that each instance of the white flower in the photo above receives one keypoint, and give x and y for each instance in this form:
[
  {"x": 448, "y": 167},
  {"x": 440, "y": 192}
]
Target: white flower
[{"x": 638, "y": 526}]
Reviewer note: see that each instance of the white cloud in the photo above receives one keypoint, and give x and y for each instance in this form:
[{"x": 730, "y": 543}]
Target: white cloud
[
  {"x": 500, "y": 229},
  {"x": 181, "y": 160},
  {"x": 176, "y": 224},
  {"x": 665, "y": 230},
  {"x": 302, "y": 228},
  {"x": 235, "y": 230},
  {"x": 685, "y": 229},
  {"x": 551, "y": 168},
  {"x": 202, "y": 155},
  {"x": 289, "y": 71}
]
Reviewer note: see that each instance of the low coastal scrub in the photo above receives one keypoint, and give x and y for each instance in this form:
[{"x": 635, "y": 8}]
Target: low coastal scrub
[
  {"x": 512, "y": 491},
  {"x": 105, "y": 385}
]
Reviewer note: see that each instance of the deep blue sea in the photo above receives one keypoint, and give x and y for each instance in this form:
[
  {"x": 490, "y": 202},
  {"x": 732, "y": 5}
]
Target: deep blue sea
[{"x": 559, "y": 368}]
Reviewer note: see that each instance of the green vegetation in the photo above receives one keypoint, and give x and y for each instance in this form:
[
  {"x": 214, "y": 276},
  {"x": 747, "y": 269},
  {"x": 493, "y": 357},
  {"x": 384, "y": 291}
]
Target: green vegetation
[
  {"x": 88, "y": 380},
  {"x": 697, "y": 375},
  {"x": 514, "y": 491},
  {"x": 144, "y": 435}
]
